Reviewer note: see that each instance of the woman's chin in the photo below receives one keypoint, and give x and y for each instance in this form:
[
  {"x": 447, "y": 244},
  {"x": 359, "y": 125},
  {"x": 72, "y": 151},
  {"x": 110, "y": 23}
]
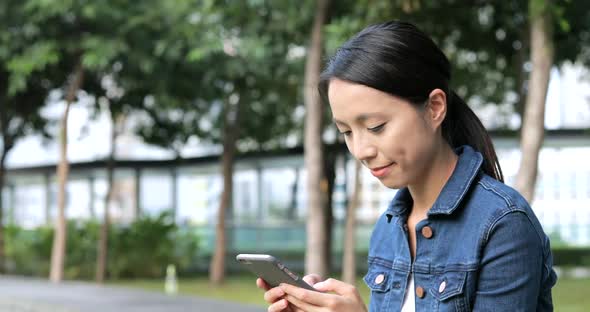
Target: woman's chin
[{"x": 393, "y": 183}]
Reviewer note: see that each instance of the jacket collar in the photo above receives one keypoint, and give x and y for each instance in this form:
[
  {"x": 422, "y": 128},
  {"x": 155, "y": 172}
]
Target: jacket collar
[{"x": 467, "y": 168}]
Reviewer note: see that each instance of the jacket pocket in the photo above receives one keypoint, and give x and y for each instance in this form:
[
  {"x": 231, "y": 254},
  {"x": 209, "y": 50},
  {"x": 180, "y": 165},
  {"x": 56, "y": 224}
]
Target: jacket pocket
[
  {"x": 379, "y": 280},
  {"x": 449, "y": 291}
]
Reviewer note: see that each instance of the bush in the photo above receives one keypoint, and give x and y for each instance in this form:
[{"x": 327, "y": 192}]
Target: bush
[
  {"x": 186, "y": 247},
  {"x": 81, "y": 249},
  {"x": 142, "y": 249},
  {"x": 28, "y": 251},
  {"x": 571, "y": 256}
]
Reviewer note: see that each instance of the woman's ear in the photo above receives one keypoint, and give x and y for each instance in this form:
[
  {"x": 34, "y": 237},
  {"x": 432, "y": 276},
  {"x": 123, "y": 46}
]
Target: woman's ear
[{"x": 437, "y": 108}]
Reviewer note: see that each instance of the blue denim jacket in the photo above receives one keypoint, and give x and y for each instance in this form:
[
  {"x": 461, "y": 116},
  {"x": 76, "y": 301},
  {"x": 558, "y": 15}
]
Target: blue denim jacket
[{"x": 480, "y": 248}]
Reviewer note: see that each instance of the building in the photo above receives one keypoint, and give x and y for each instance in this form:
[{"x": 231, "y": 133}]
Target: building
[{"x": 269, "y": 199}]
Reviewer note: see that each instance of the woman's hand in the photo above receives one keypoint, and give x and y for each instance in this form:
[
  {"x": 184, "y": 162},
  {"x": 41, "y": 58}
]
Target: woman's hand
[
  {"x": 334, "y": 295},
  {"x": 275, "y": 296}
]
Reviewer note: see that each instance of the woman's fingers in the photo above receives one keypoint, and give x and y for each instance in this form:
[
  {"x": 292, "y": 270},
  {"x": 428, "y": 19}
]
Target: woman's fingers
[
  {"x": 309, "y": 296},
  {"x": 260, "y": 283},
  {"x": 333, "y": 295},
  {"x": 279, "y": 306},
  {"x": 335, "y": 286},
  {"x": 273, "y": 295},
  {"x": 301, "y": 305}
]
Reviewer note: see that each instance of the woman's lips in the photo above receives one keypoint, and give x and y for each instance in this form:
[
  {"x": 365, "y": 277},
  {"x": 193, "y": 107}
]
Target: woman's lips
[{"x": 380, "y": 172}]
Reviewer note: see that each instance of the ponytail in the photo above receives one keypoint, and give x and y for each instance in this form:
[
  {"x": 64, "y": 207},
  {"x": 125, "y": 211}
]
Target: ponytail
[{"x": 463, "y": 127}]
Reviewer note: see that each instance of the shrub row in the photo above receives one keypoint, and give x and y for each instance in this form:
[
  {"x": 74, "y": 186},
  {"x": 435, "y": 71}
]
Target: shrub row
[{"x": 141, "y": 249}]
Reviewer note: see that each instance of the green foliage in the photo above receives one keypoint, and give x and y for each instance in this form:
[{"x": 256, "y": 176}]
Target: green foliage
[
  {"x": 36, "y": 56},
  {"x": 81, "y": 254},
  {"x": 566, "y": 255},
  {"x": 189, "y": 57},
  {"x": 142, "y": 249},
  {"x": 28, "y": 68},
  {"x": 571, "y": 256},
  {"x": 28, "y": 251},
  {"x": 217, "y": 52},
  {"x": 572, "y": 32},
  {"x": 538, "y": 7},
  {"x": 186, "y": 248}
]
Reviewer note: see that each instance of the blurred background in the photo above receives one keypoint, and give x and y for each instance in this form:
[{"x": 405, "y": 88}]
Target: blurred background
[{"x": 144, "y": 135}]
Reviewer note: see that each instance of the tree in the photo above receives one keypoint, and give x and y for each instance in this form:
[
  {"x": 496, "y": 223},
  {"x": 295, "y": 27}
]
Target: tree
[
  {"x": 117, "y": 121},
  {"x": 78, "y": 36},
  {"x": 316, "y": 255},
  {"x": 123, "y": 89},
  {"x": 59, "y": 239},
  {"x": 24, "y": 65},
  {"x": 248, "y": 114},
  {"x": 19, "y": 116},
  {"x": 533, "y": 127},
  {"x": 244, "y": 102},
  {"x": 231, "y": 112}
]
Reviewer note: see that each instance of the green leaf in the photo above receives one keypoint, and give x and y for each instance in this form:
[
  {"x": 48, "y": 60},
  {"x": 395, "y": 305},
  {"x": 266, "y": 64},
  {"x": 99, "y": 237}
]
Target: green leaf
[{"x": 35, "y": 57}]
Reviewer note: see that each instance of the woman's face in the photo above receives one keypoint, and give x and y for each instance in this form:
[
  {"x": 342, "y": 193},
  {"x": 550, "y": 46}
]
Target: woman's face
[{"x": 386, "y": 133}]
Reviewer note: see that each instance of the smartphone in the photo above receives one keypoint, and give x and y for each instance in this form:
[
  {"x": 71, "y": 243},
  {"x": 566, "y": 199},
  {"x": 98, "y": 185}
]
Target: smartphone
[{"x": 271, "y": 270}]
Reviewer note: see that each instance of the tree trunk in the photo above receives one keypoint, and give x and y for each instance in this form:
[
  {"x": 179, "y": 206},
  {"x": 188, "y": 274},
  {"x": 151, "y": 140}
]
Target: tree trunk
[
  {"x": 2, "y": 171},
  {"x": 103, "y": 242},
  {"x": 7, "y": 144},
  {"x": 230, "y": 136},
  {"x": 410, "y": 6},
  {"x": 315, "y": 253},
  {"x": 533, "y": 125},
  {"x": 349, "y": 257},
  {"x": 59, "y": 238}
]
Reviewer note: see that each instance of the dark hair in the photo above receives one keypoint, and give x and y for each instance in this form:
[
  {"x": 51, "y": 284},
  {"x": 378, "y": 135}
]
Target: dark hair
[{"x": 399, "y": 59}]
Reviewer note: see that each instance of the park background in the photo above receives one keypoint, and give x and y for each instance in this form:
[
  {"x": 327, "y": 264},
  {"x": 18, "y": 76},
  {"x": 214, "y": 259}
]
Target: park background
[{"x": 138, "y": 135}]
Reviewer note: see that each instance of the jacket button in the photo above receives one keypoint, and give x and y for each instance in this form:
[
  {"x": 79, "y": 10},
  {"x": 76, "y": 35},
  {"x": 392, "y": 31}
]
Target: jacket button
[
  {"x": 379, "y": 279},
  {"x": 442, "y": 287},
  {"x": 420, "y": 292},
  {"x": 427, "y": 232}
]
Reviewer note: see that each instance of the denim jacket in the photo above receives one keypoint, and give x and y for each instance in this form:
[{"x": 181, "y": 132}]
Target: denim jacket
[{"x": 480, "y": 248}]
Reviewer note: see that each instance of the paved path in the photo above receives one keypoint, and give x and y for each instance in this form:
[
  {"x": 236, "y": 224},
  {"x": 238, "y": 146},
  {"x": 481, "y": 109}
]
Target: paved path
[{"x": 18, "y": 294}]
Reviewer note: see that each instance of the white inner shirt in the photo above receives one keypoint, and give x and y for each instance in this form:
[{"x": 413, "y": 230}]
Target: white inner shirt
[{"x": 409, "y": 304}]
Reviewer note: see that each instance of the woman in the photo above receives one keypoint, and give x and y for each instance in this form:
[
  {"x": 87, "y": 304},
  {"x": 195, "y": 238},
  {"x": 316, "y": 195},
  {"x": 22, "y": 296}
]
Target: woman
[{"x": 455, "y": 237}]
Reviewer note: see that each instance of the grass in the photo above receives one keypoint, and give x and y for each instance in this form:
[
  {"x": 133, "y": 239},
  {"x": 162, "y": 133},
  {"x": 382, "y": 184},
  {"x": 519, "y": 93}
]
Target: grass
[
  {"x": 236, "y": 288},
  {"x": 572, "y": 295},
  {"x": 569, "y": 295}
]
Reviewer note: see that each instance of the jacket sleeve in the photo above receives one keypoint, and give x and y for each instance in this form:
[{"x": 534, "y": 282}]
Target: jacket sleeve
[{"x": 513, "y": 266}]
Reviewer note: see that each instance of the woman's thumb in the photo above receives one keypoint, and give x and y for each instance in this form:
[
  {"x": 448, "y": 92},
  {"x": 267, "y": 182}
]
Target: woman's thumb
[
  {"x": 333, "y": 285},
  {"x": 312, "y": 279}
]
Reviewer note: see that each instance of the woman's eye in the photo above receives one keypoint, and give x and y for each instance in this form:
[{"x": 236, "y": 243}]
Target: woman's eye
[
  {"x": 378, "y": 128},
  {"x": 346, "y": 133}
]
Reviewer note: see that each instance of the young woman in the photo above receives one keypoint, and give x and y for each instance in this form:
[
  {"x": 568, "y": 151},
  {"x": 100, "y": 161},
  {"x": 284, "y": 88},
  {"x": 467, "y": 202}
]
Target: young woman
[{"x": 455, "y": 237}]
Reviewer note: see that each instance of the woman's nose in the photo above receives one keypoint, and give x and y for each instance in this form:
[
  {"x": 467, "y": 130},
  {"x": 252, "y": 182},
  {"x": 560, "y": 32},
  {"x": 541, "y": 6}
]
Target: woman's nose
[{"x": 364, "y": 150}]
